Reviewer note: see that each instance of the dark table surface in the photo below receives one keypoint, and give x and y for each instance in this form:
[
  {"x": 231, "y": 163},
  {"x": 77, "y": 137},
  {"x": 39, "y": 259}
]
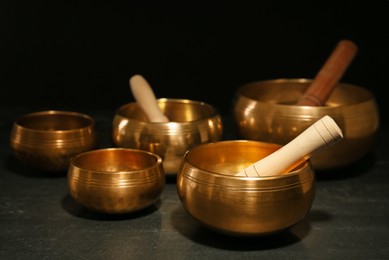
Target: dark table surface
[{"x": 39, "y": 220}]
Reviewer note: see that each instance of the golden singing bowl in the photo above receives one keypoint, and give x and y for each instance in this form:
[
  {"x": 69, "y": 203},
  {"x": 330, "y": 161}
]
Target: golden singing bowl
[
  {"x": 47, "y": 140},
  {"x": 190, "y": 123},
  {"x": 116, "y": 180},
  {"x": 213, "y": 195},
  {"x": 265, "y": 111}
]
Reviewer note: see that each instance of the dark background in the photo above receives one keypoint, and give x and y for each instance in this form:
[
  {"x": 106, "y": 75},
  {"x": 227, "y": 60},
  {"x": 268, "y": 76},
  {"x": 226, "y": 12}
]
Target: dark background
[{"x": 80, "y": 55}]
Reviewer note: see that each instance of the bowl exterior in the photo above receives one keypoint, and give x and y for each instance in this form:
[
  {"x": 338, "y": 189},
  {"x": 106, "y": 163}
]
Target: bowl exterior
[
  {"x": 264, "y": 111},
  {"x": 116, "y": 191},
  {"x": 50, "y": 148},
  {"x": 191, "y": 123},
  {"x": 240, "y": 205}
]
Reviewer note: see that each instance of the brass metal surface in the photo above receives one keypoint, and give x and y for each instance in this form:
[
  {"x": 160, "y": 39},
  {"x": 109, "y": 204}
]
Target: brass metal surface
[
  {"x": 48, "y": 139},
  {"x": 244, "y": 206},
  {"x": 266, "y": 111},
  {"x": 191, "y": 123},
  {"x": 116, "y": 180}
]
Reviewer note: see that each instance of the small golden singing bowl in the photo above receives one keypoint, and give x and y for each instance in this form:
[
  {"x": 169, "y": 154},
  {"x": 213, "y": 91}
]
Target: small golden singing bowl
[
  {"x": 116, "y": 180},
  {"x": 46, "y": 140},
  {"x": 250, "y": 206},
  {"x": 190, "y": 123},
  {"x": 266, "y": 111}
]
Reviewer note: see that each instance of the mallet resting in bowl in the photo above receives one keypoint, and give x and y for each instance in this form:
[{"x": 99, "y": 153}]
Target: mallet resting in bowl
[
  {"x": 145, "y": 98},
  {"x": 322, "y": 133}
]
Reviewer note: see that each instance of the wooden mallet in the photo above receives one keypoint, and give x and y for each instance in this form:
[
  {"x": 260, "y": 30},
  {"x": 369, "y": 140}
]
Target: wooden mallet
[
  {"x": 329, "y": 75},
  {"x": 144, "y": 96},
  {"x": 322, "y": 133}
]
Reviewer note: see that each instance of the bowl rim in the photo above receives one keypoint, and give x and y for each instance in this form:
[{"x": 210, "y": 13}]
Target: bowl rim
[
  {"x": 295, "y": 172},
  {"x": 238, "y": 93},
  {"x": 157, "y": 164},
  {"x": 90, "y": 119},
  {"x": 215, "y": 111}
]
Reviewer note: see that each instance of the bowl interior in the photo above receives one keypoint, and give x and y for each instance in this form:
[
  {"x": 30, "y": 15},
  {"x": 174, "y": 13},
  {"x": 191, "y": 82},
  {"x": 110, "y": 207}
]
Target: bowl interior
[{"x": 230, "y": 157}]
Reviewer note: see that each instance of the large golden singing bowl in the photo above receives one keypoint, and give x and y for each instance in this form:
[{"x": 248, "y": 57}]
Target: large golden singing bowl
[
  {"x": 265, "y": 111},
  {"x": 190, "y": 123},
  {"x": 213, "y": 195},
  {"x": 116, "y": 180},
  {"x": 47, "y": 140}
]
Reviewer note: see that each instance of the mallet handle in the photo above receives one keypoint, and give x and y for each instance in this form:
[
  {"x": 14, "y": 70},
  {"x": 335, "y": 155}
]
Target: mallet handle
[
  {"x": 329, "y": 75},
  {"x": 322, "y": 133},
  {"x": 145, "y": 98}
]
